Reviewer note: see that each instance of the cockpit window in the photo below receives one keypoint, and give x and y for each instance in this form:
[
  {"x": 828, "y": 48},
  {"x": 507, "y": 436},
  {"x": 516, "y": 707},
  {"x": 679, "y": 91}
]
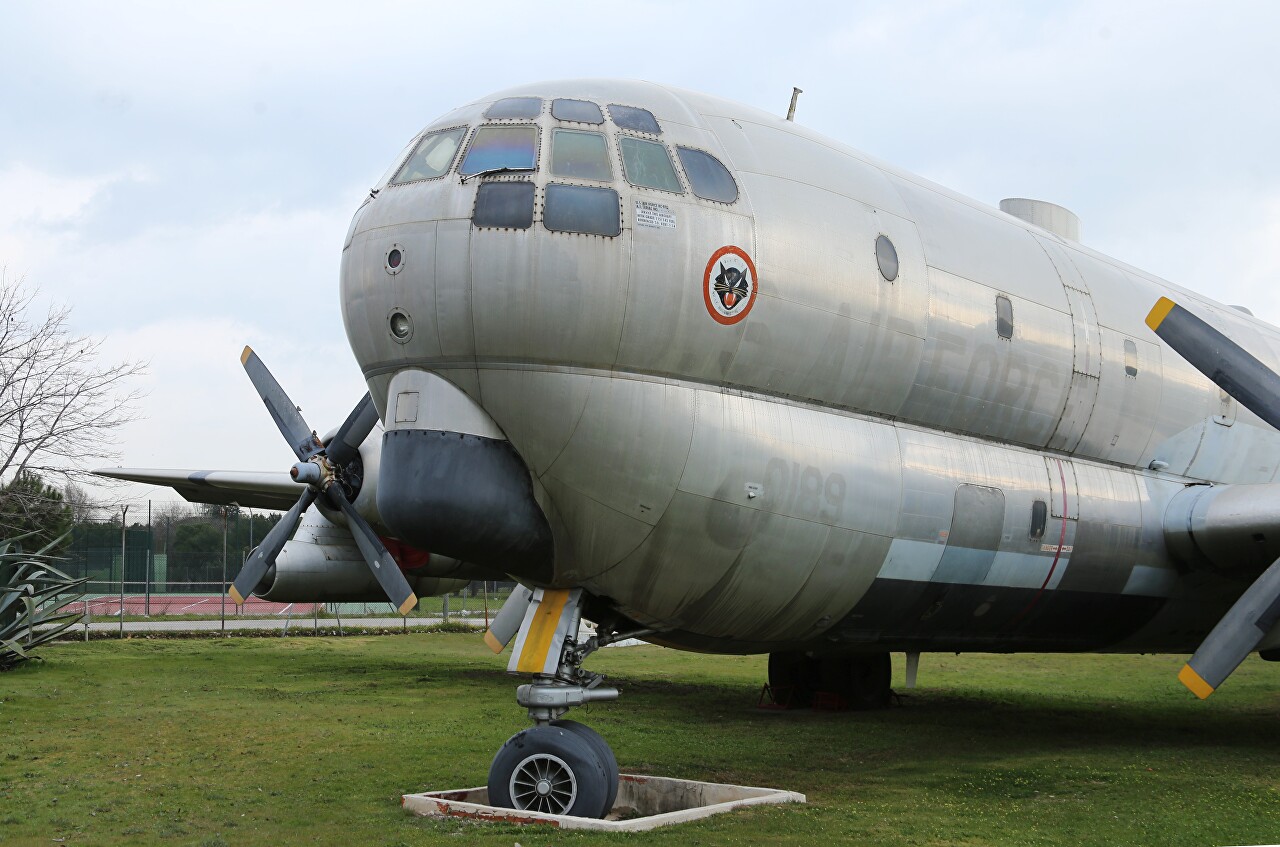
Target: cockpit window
[
  {"x": 580, "y": 208},
  {"x": 580, "y": 154},
  {"x": 432, "y": 158},
  {"x": 648, "y": 164},
  {"x": 581, "y": 111},
  {"x": 495, "y": 147},
  {"x": 515, "y": 107},
  {"x": 710, "y": 179},
  {"x": 629, "y": 117},
  {"x": 504, "y": 204}
]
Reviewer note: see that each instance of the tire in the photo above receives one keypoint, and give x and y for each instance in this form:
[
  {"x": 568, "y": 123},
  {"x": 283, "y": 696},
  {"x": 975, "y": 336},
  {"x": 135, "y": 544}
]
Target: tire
[
  {"x": 862, "y": 680},
  {"x": 797, "y": 673},
  {"x": 603, "y": 752},
  {"x": 548, "y": 769}
]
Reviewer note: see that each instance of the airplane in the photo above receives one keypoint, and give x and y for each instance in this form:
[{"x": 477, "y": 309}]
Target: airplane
[{"x": 707, "y": 378}]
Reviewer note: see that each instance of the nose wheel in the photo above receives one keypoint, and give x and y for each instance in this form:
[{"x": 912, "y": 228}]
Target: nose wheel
[{"x": 554, "y": 770}]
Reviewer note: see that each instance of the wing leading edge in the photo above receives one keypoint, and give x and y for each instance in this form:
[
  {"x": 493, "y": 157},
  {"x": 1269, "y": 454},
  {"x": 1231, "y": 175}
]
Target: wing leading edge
[{"x": 250, "y": 489}]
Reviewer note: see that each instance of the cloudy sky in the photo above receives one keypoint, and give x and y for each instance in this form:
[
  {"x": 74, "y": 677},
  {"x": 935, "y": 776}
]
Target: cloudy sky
[{"x": 183, "y": 174}]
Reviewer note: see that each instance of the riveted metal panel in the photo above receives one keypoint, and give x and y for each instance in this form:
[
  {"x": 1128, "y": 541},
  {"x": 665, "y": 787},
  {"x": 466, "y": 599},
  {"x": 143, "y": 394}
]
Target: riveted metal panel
[
  {"x": 977, "y": 524},
  {"x": 972, "y": 380},
  {"x": 453, "y": 289},
  {"x": 793, "y": 461},
  {"x": 667, "y": 327},
  {"x": 1108, "y": 534},
  {"x": 629, "y": 446},
  {"x": 1122, "y": 421},
  {"x": 828, "y": 326},
  {"x": 548, "y": 297},
  {"x": 979, "y": 243},
  {"x": 596, "y": 535},
  {"x": 537, "y": 409},
  {"x": 789, "y": 153},
  {"x": 1064, "y": 493}
]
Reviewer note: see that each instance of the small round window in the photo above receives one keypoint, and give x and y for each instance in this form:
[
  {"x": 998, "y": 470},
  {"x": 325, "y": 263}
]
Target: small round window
[
  {"x": 887, "y": 258},
  {"x": 400, "y": 324},
  {"x": 394, "y": 259}
]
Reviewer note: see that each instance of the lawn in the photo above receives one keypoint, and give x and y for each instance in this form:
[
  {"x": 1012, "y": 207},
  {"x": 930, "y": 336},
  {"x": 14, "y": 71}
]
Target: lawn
[{"x": 236, "y": 741}]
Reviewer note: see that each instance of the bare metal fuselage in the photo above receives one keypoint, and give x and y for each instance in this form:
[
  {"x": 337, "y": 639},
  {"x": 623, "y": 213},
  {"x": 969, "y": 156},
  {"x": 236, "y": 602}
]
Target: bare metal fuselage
[{"x": 856, "y": 462}]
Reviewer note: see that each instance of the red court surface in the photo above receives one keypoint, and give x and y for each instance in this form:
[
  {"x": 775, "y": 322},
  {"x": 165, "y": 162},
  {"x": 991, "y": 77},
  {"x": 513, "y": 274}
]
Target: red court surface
[{"x": 188, "y": 604}]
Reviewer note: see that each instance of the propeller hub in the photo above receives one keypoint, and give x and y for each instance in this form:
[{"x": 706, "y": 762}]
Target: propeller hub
[{"x": 306, "y": 472}]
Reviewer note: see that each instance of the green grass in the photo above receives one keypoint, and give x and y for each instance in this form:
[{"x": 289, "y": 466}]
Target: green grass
[{"x": 311, "y": 741}]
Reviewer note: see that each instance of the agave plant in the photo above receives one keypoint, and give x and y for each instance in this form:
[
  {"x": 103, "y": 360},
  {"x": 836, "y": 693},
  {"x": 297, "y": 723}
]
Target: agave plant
[{"x": 33, "y": 594}]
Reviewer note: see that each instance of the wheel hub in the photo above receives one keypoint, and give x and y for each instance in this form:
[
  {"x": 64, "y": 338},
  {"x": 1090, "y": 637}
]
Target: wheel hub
[{"x": 544, "y": 783}]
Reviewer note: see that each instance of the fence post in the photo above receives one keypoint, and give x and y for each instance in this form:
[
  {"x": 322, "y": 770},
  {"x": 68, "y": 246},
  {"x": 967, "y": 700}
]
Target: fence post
[
  {"x": 223, "y": 606},
  {"x": 86, "y": 617},
  {"x": 446, "y": 608},
  {"x": 124, "y": 528},
  {"x": 147, "y": 577}
]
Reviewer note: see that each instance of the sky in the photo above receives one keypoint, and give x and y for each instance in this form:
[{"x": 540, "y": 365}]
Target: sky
[{"x": 183, "y": 174}]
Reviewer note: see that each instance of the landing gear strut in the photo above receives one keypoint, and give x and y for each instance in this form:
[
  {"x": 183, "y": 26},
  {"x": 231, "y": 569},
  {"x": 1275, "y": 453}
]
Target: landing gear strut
[
  {"x": 557, "y": 766},
  {"x": 858, "y": 680}
]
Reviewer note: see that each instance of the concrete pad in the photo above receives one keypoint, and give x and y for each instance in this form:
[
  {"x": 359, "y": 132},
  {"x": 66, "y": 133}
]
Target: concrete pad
[{"x": 644, "y": 802}]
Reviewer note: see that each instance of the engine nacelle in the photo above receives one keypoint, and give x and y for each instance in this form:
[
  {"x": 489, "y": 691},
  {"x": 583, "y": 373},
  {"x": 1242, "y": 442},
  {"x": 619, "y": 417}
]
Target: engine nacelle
[{"x": 321, "y": 564}]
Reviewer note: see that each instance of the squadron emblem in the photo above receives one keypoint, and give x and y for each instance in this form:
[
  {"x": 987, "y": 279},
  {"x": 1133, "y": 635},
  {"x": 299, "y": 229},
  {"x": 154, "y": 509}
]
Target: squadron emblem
[{"x": 729, "y": 285}]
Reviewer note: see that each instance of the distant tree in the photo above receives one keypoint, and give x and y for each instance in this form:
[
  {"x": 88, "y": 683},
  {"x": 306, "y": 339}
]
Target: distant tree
[
  {"x": 27, "y": 504},
  {"x": 79, "y": 501},
  {"x": 60, "y": 408}
]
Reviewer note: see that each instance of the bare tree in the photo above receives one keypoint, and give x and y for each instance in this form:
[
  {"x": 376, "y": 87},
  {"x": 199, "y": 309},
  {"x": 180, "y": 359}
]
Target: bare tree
[
  {"x": 61, "y": 409},
  {"x": 78, "y": 500}
]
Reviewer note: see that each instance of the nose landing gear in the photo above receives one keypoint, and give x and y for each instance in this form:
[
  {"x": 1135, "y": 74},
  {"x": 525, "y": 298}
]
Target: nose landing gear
[{"x": 557, "y": 766}]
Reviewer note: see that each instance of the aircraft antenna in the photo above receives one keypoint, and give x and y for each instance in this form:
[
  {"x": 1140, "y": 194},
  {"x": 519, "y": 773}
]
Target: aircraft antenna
[{"x": 791, "y": 111}]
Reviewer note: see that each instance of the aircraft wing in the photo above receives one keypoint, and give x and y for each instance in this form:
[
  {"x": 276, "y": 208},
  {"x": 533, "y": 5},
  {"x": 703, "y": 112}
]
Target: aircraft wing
[{"x": 251, "y": 489}]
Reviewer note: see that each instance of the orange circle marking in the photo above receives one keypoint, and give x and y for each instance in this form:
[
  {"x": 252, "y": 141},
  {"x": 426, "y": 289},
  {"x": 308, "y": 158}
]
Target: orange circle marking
[{"x": 738, "y": 307}]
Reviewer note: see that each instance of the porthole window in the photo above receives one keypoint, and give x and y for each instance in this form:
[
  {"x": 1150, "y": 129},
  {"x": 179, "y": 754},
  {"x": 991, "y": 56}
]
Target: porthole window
[
  {"x": 581, "y": 155},
  {"x": 400, "y": 324},
  {"x": 433, "y": 156},
  {"x": 495, "y": 147},
  {"x": 394, "y": 260},
  {"x": 1004, "y": 317},
  {"x": 581, "y": 208},
  {"x": 629, "y": 117},
  {"x": 887, "y": 258},
  {"x": 1130, "y": 359},
  {"x": 515, "y": 107},
  {"x": 709, "y": 179},
  {"x": 581, "y": 111},
  {"x": 648, "y": 164},
  {"x": 504, "y": 204},
  {"x": 1039, "y": 517}
]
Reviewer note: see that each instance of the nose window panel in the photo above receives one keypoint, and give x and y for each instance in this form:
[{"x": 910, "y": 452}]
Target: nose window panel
[
  {"x": 581, "y": 111},
  {"x": 710, "y": 179},
  {"x": 514, "y": 107},
  {"x": 648, "y": 164},
  {"x": 629, "y": 117},
  {"x": 432, "y": 158},
  {"x": 582, "y": 155},
  {"x": 496, "y": 147},
  {"x": 504, "y": 204},
  {"x": 580, "y": 208}
]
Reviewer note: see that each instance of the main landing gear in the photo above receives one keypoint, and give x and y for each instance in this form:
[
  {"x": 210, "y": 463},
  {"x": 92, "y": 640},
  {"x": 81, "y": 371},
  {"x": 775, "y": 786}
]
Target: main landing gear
[
  {"x": 855, "y": 680},
  {"x": 557, "y": 766}
]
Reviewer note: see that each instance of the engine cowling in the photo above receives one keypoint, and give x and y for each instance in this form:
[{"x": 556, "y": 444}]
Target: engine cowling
[{"x": 321, "y": 564}]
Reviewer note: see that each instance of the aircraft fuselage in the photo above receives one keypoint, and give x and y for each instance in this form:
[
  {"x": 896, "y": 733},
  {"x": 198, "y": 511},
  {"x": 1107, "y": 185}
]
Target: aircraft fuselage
[{"x": 747, "y": 430}]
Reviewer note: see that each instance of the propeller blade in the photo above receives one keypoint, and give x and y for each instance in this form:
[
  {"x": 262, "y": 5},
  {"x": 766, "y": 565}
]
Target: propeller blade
[
  {"x": 507, "y": 622},
  {"x": 345, "y": 444},
  {"x": 264, "y": 555},
  {"x": 301, "y": 439},
  {"x": 380, "y": 561},
  {"x": 1235, "y": 370},
  {"x": 1239, "y": 632}
]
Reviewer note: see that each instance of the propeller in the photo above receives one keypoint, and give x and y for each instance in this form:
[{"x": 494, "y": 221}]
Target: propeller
[
  {"x": 507, "y": 622},
  {"x": 1257, "y": 388},
  {"x": 324, "y": 470}
]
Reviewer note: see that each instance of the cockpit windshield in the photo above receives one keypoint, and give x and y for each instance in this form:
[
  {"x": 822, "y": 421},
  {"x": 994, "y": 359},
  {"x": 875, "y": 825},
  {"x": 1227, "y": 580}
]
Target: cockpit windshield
[
  {"x": 433, "y": 157},
  {"x": 493, "y": 148}
]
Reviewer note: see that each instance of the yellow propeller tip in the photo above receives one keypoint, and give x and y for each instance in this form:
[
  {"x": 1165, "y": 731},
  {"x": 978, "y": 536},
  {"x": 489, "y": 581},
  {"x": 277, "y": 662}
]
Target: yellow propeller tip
[
  {"x": 492, "y": 642},
  {"x": 1193, "y": 681},
  {"x": 408, "y": 604},
  {"x": 1159, "y": 312},
  {"x": 245, "y": 354},
  {"x": 235, "y": 596}
]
